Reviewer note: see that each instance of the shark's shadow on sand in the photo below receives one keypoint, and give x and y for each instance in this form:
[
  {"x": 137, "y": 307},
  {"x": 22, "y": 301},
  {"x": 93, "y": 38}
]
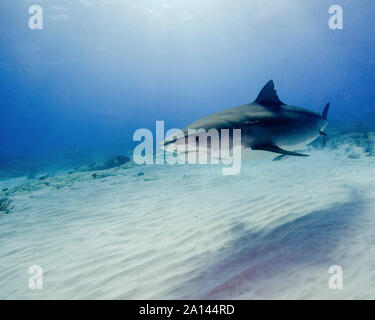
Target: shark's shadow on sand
[{"x": 251, "y": 258}]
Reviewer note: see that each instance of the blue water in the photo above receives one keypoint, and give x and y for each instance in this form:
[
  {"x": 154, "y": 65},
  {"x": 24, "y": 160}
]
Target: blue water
[
  {"x": 73, "y": 94},
  {"x": 99, "y": 70}
]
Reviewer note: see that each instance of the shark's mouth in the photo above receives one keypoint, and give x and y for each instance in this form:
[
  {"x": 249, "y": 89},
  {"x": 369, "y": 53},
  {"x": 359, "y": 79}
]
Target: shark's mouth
[{"x": 166, "y": 142}]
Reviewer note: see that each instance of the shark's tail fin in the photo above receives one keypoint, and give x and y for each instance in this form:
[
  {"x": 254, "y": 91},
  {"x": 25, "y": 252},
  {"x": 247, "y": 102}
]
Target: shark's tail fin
[{"x": 325, "y": 111}]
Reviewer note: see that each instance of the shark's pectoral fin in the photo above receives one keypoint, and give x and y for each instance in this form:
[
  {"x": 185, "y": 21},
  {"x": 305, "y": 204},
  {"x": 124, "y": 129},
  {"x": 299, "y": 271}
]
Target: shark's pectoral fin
[
  {"x": 276, "y": 149},
  {"x": 280, "y": 157}
]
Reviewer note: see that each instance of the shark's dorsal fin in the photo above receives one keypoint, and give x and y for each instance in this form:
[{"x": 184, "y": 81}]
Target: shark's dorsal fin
[{"x": 268, "y": 96}]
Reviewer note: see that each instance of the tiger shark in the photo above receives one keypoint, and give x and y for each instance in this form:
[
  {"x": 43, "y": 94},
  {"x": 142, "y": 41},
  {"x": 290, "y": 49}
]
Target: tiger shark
[{"x": 268, "y": 126}]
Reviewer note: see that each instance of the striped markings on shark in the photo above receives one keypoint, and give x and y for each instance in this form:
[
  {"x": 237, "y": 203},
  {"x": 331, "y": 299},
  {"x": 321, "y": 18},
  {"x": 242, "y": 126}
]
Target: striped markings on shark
[
  {"x": 261, "y": 128},
  {"x": 267, "y": 124}
]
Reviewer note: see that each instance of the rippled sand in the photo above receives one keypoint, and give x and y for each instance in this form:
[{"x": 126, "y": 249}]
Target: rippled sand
[{"x": 190, "y": 232}]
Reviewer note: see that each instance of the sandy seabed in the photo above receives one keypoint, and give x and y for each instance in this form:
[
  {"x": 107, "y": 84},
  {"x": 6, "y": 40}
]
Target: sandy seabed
[{"x": 271, "y": 232}]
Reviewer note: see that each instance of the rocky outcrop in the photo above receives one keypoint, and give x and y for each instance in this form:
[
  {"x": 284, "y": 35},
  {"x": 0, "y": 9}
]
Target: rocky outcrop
[
  {"x": 354, "y": 145},
  {"x": 110, "y": 163},
  {"x": 5, "y": 205}
]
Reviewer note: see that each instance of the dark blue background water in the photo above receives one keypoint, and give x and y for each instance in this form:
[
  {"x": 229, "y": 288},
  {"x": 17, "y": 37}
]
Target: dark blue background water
[{"x": 101, "y": 69}]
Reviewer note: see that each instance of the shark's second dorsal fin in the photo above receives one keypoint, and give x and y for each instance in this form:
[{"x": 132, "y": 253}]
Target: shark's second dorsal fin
[{"x": 268, "y": 96}]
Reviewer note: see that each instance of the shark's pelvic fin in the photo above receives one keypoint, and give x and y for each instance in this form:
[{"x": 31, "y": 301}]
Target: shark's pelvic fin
[
  {"x": 268, "y": 96},
  {"x": 276, "y": 149}
]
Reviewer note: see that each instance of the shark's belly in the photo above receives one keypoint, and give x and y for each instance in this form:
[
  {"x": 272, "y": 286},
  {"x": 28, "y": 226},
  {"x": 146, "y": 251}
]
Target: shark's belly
[{"x": 285, "y": 135}]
